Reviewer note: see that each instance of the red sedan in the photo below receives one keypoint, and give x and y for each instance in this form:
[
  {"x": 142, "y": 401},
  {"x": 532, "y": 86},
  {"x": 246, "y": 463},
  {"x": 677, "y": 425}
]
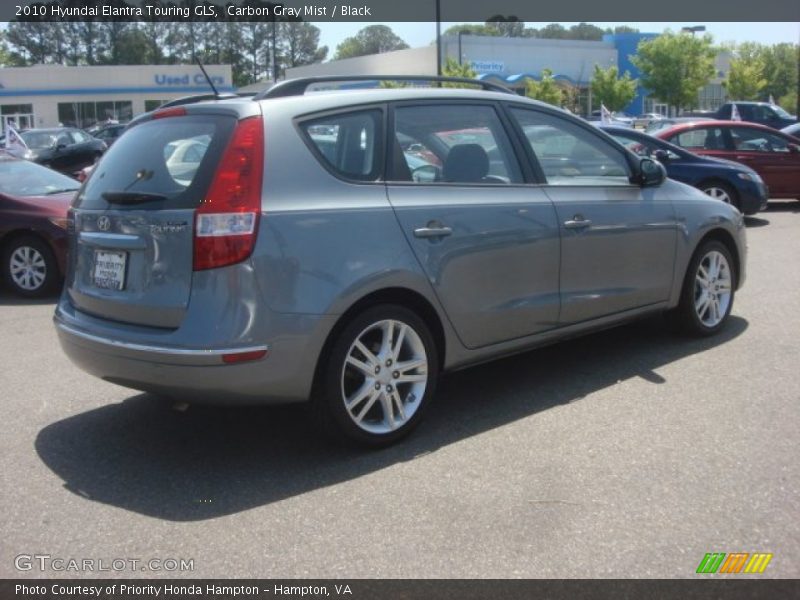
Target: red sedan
[
  {"x": 33, "y": 220},
  {"x": 774, "y": 155}
]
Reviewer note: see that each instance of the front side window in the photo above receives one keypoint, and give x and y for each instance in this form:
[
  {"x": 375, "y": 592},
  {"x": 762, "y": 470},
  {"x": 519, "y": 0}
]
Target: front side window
[
  {"x": 348, "y": 143},
  {"x": 570, "y": 155},
  {"x": 458, "y": 143}
]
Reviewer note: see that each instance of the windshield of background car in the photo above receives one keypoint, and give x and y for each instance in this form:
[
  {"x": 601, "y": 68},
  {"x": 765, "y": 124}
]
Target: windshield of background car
[
  {"x": 24, "y": 178},
  {"x": 781, "y": 112},
  {"x": 37, "y": 140},
  {"x": 173, "y": 159}
]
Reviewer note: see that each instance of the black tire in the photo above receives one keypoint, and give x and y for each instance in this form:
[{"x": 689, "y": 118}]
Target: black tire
[
  {"x": 687, "y": 316},
  {"x": 732, "y": 195},
  {"x": 339, "y": 380},
  {"x": 43, "y": 277}
]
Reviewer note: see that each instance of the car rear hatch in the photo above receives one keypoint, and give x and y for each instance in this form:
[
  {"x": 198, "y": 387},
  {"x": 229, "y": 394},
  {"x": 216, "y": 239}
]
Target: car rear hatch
[{"x": 135, "y": 241}]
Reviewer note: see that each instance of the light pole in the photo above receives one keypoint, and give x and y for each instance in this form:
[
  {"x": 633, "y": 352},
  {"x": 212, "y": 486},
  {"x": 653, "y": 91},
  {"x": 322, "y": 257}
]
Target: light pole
[
  {"x": 460, "y": 54},
  {"x": 438, "y": 39},
  {"x": 694, "y": 29}
]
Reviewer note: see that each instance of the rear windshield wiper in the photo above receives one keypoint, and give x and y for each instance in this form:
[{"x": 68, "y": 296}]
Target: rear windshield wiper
[
  {"x": 131, "y": 197},
  {"x": 61, "y": 191}
]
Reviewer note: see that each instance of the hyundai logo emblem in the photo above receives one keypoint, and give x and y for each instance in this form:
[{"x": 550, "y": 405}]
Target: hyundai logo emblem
[{"x": 103, "y": 223}]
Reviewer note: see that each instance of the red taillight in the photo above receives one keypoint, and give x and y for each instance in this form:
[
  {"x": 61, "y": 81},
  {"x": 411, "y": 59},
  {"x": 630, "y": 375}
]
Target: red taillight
[
  {"x": 227, "y": 220},
  {"x": 176, "y": 111}
]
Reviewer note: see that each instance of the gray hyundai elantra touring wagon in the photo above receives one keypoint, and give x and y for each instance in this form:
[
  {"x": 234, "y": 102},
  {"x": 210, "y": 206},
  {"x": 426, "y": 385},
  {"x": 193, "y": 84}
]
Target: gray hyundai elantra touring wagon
[{"x": 345, "y": 247}]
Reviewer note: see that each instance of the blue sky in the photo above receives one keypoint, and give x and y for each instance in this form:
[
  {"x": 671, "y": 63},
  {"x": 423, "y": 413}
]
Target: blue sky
[{"x": 422, "y": 34}]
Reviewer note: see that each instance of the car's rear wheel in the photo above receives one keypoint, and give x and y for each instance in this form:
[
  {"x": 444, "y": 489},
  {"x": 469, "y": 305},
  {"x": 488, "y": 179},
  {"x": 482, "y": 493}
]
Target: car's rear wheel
[
  {"x": 721, "y": 191},
  {"x": 29, "y": 266},
  {"x": 379, "y": 377},
  {"x": 708, "y": 290}
]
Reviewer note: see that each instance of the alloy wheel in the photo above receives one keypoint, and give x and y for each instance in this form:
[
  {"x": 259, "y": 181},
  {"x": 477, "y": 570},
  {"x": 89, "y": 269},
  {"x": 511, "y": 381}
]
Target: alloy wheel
[
  {"x": 713, "y": 287},
  {"x": 27, "y": 268},
  {"x": 384, "y": 376}
]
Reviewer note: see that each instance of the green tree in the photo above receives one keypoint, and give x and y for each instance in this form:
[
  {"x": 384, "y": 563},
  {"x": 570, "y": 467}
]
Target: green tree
[
  {"x": 554, "y": 31},
  {"x": 374, "y": 39},
  {"x": 745, "y": 79},
  {"x": 545, "y": 90},
  {"x": 781, "y": 71},
  {"x": 451, "y": 68},
  {"x": 676, "y": 66},
  {"x": 509, "y": 26},
  {"x": 622, "y": 29},
  {"x": 610, "y": 89},
  {"x": 299, "y": 44},
  {"x": 585, "y": 31},
  {"x": 472, "y": 29}
]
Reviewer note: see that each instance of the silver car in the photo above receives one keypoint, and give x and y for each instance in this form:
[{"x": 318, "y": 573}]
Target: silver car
[{"x": 344, "y": 248}]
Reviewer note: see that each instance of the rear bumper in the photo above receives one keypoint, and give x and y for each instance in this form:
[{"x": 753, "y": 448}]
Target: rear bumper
[{"x": 200, "y": 375}]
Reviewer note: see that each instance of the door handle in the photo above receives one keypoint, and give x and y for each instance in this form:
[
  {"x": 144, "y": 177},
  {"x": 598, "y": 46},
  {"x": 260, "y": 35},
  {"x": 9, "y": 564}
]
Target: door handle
[
  {"x": 577, "y": 222},
  {"x": 432, "y": 231}
]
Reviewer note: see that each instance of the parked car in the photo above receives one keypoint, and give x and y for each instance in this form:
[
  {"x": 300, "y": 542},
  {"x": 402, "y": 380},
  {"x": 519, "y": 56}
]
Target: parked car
[
  {"x": 724, "y": 180},
  {"x": 63, "y": 149},
  {"x": 109, "y": 134},
  {"x": 33, "y": 222},
  {"x": 763, "y": 113},
  {"x": 620, "y": 119},
  {"x": 772, "y": 154},
  {"x": 643, "y": 120},
  {"x": 292, "y": 267},
  {"x": 654, "y": 126}
]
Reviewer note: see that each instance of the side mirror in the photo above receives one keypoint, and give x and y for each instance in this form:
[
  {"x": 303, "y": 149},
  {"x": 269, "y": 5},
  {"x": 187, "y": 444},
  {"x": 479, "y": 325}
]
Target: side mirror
[
  {"x": 60, "y": 146},
  {"x": 651, "y": 173},
  {"x": 661, "y": 155},
  {"x": 794, "y": 149}
]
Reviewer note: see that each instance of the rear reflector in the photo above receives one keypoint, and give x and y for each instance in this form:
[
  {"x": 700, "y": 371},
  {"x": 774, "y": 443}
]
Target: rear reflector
[
  {"x": 226, "y": 223},
  {"x": 238, "y": 357}
]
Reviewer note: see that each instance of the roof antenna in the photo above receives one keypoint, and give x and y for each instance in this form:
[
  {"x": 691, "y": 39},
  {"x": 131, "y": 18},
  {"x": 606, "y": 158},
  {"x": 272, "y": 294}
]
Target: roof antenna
[{"x": 208, "y": 79}]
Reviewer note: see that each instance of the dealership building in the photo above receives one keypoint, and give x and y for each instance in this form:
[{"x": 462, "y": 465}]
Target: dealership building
[
  {"x": 49, "y": 95},
  {"x": 511, "y": 61}
]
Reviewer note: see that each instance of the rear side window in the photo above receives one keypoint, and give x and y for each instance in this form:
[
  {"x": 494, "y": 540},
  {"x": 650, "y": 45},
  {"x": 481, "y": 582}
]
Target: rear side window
[
  {"x": 706, "y": 138},
  {"x": 170, "y": 162},
  {"x": 348, "y": 144}
]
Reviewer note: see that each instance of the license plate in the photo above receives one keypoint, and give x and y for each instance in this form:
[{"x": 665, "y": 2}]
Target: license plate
[{"x": 109, "y": 269}]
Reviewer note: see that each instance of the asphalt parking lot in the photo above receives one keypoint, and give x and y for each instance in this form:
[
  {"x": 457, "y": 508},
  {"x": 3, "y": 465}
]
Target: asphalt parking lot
[{"x": 630, "y": 453}]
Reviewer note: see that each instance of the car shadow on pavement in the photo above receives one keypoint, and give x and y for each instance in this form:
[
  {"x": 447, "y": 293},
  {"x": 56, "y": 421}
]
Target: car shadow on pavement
[
  {"x": 10, "y": 299},
  {"x": 142, "y": 456},
  {"x": 784, "y": 206},
  {"x": 751, "y": 222}
]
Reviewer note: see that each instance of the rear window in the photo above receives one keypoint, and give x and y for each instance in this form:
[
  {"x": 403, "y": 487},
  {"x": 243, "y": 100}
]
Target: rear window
[
  {"x": 348, "y": 143},
  {"x": 169, "y": 161}
]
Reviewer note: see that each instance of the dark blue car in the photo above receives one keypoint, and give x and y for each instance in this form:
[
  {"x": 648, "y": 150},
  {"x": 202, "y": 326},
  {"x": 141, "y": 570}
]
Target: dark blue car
[{"x": 725, "y": 180}]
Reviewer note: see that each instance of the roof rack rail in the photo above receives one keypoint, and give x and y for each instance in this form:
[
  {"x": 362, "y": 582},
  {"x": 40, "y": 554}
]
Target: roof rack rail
[{"x": 298, "y": 87}]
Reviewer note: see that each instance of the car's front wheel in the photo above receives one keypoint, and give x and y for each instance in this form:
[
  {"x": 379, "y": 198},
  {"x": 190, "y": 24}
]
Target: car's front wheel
[
  {"x": 708, "y": 290},
  {"x": 721, "y": 191},
  {"x": 29, "y": 266},
  {"x": 379, "y": 377}
]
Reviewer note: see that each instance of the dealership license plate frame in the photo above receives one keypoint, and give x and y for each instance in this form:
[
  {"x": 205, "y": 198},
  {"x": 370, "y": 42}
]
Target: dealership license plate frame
[{"x": 117, "y": 268}]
